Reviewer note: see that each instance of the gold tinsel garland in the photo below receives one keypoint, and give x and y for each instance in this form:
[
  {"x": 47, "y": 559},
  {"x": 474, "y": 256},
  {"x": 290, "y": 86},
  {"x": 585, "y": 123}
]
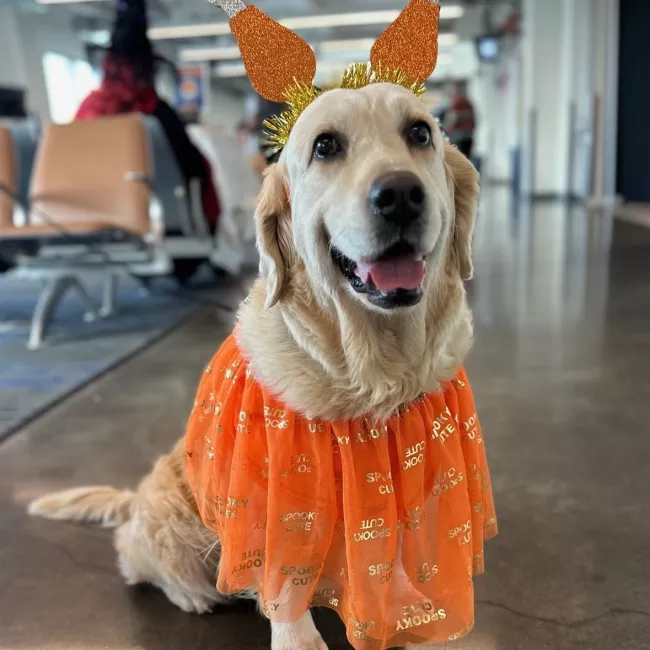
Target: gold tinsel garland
[{"x": 299, "y": 96}]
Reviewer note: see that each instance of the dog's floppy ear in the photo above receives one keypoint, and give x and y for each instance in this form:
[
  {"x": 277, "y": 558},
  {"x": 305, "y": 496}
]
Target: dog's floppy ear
[
  {"x": 462, "y": 179},
  {"x": 273, "y": 222}
]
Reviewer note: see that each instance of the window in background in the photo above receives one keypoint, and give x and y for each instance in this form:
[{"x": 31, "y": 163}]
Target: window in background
[{"x": 68, "y": 82}]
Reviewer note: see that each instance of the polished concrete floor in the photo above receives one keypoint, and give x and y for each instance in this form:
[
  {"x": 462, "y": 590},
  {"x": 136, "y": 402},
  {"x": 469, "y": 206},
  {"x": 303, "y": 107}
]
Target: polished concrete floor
[{"x": 560, "y": 370}]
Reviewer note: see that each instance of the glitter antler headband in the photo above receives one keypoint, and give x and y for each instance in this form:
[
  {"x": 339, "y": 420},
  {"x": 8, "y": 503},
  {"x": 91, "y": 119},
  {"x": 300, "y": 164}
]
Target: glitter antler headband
[
  {"x": 273, "y": 55},
  {"x": 282, "y": 66}
]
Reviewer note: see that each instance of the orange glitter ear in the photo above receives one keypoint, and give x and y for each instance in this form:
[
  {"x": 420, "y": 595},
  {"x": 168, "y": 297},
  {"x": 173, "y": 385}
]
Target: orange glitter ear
[
  {"x": 275, "y": 57},
  {"x": 282, "y": 66},
  {"x": 410, "y": 44}
]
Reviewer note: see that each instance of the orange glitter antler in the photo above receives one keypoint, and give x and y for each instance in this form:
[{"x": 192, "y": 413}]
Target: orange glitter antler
[
  {"x": 275, "y": 57},
  {"x": 410, "y": 44}
]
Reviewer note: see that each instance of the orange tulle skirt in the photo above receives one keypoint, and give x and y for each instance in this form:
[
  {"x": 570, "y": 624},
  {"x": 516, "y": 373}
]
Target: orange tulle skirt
[{"x": 383, "y": 523}]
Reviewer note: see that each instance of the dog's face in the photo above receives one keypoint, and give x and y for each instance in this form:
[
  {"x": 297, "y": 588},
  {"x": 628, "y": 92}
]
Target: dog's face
[{"x": 367, "y": 195}]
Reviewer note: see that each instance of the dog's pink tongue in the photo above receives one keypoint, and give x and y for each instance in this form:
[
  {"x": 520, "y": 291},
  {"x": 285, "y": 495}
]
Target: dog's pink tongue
[{"x": 390, "y": 275}]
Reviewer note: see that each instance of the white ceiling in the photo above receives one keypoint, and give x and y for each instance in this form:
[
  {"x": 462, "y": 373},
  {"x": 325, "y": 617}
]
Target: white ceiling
[
  {"x": 95, "y": 17},
  {"x": 98, "y": 14},
  {"x": 165, "y": 12}
]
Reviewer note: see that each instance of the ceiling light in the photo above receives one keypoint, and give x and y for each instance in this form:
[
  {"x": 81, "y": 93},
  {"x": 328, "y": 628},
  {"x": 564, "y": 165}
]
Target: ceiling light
[
  {"x": 341, "y": 20},
  {"x": 351, "y": 46},
  {"x": 349, "y": 19},
  {"x": 188, "y": 31},
  {"x": 444, "y": 58},
  {"x": 64, "y": 2},
  {"x": 101, "y": 37},
  {"x": 446, "y": 39},
  {"x": 230, "y": 70},
  {"x": 234, "y": 70},
  {"x": 210, "y": 54}
]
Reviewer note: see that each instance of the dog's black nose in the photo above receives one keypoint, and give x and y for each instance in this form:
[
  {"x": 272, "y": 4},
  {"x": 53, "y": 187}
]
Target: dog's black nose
[{"x": 398, "y": 197}]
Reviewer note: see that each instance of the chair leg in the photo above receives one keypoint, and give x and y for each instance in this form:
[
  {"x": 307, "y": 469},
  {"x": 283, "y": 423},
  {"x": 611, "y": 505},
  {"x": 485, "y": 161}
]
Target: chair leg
[
  {"x": 108, "y": 296},
  {"x": 145, "y": 288},
  {"x": 48, "y": 300}
]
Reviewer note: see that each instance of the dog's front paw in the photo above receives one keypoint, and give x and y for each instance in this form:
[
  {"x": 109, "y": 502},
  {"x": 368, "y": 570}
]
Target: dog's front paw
[
  {"x": 189, "y": 602},
  {"x": 301, "y": 635},
  {"x": 316, "y": 644}
]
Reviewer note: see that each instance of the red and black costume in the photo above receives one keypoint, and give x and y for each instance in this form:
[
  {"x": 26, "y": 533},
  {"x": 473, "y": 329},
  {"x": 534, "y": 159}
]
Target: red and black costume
[{"x": 128, "y": 87}]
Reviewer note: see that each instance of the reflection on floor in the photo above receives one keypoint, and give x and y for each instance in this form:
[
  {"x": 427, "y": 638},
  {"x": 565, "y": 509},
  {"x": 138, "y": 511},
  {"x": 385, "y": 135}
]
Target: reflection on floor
[
  {"x": 74, "y": 351},
  {"x": 638, "y": 213},
  {"x": 560, "y": 371}
]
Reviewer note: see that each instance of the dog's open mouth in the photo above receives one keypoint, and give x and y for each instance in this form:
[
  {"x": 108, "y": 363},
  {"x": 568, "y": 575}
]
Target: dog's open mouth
[{"x": 392, "y": 280}]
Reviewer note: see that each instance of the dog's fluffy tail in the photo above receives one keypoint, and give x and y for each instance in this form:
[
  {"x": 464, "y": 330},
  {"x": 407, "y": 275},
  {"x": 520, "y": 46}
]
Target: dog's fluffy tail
[{"x": 98, "y": 505}]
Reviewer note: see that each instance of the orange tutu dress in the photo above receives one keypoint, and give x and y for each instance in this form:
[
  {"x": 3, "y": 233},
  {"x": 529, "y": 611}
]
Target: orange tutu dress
[{"x": 383, "y": 523}]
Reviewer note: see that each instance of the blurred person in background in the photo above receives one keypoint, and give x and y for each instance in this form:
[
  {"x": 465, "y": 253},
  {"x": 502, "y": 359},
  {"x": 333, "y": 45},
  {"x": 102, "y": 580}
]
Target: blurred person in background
[
  {"x": 258, "y": 110},
  {"x": 128, "y": 86},
  {"x": 266, "y": 111},
  {"x": 458, "y": 119},
  {"x": 250, "y": 143}
]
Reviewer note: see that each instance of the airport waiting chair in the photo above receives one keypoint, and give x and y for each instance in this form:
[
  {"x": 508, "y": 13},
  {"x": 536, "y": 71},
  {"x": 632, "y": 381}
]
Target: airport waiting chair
[
  {"x": 24, "y": 135},
  {"x": 7, "y": 177},
  {"x": 19, "y": 140},
  {"x": 168, "y": 182},
  {"x": 92, "y": 213},
  {"x": 8, "y": 180},
  {"x": 90, "y": 178},
  {"x": 238, "y": 185},
  {"x": 187, "y": 233}
]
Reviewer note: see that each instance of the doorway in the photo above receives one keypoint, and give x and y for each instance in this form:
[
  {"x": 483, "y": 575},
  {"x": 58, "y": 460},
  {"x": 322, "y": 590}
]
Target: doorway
[{"x": 633, "y": 156}]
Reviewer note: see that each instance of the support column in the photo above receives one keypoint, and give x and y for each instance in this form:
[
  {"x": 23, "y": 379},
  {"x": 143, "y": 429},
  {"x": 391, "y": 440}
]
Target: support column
[
  {"x": 495, "y": 92},
  {"x": 570, "y": 89},
  {"x": 583, "y": 101},
  {"x": 605, "y": 44},
  {"x": 12, "y": 70},
  {"x": 547, "y": 78}
]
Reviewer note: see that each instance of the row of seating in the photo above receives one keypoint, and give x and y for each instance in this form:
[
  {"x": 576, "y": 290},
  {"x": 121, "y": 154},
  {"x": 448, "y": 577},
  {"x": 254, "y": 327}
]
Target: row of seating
[
  {"x": 18, "y": 141},
  {"x": 106, "y": 198}
]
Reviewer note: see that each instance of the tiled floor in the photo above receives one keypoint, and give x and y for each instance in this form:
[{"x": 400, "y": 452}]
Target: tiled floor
[
  {"x": 560, "y": 371},
  {"x": 637, "y": 213},
  {"x": 74, "y": 351}
]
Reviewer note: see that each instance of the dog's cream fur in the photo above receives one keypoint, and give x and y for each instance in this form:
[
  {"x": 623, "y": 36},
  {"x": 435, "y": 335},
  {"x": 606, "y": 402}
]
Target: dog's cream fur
[{"x": 309, "y": 337}]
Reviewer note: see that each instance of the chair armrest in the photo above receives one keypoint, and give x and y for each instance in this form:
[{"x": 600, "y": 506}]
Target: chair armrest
[
  {"x": 157, "y": 205},
  {"x": 196, "y": 208},
  {"x": 156, "y": 208},
  {"x": 20, "y": 209},
  {"x": 140, "y": 177}
]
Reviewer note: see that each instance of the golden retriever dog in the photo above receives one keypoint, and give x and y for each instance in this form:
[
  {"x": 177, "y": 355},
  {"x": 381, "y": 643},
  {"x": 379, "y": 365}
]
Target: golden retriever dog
[{"x": 364, "y": 229}]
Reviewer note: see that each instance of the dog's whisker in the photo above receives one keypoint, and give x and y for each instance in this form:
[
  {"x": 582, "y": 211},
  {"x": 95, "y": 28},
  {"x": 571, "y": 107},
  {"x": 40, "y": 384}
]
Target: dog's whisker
[{"x": 209, "y": 550}]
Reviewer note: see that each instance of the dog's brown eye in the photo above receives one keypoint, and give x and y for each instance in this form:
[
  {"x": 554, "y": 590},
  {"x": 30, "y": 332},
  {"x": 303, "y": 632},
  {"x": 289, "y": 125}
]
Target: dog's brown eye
[
  {"x": 419, "y": 134},
  {"x": 327, "y": 146}
]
